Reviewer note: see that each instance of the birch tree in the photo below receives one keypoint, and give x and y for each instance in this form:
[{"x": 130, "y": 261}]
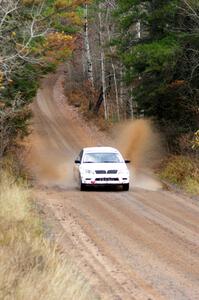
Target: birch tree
[
  {"x": 17, "y": 32},
  {"x": 110, "y": 5},
  {"x": 102, "y": 61},
  {"x": 30, "y": 45},
  {"x": 87, "y": 49}
]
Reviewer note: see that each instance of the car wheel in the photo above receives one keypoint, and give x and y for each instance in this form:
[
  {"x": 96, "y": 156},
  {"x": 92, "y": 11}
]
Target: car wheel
[
  {"x": 82, "y": 187},
  {"x": 125, "y": 186}
]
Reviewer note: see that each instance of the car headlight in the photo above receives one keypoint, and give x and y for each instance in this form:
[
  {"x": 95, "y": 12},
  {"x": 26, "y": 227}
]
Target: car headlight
[
  {"x": 89, "y": 172},
  {"x": 125, "y": 172}
]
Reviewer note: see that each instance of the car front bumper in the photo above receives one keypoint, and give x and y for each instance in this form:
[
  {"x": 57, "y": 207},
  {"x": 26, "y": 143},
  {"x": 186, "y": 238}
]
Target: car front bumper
[{"x": 105, "y": 180}]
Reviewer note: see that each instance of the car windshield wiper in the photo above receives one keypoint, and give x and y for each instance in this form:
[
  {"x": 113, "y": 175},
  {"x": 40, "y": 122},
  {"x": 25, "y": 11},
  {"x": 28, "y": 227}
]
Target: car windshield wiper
[{"x": 88, "y": 162}]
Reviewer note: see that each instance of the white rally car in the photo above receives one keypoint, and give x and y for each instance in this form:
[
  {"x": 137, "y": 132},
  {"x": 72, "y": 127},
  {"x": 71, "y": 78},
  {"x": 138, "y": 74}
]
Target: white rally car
[{"x": 101, "y": 166}]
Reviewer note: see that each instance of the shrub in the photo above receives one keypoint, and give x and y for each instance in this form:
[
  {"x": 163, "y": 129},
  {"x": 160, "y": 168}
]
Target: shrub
[
  {"x": 182, "y": 171},
  {"x": 191, "y": 185}
]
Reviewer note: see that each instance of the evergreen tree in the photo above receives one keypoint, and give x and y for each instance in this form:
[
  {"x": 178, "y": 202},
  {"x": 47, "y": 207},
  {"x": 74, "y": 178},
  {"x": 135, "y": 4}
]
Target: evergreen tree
[{"x": 162, "y": 64}]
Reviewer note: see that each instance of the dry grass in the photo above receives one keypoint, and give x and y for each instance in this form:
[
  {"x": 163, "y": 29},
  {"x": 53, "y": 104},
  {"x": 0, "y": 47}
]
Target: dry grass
[
  {"x": 182, "y": 171},
  {"x": 31, "y": 268}
]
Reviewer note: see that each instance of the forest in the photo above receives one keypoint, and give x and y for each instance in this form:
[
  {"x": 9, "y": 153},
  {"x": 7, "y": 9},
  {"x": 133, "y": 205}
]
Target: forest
[
  {"x": 147, "y": 54},
  {"x": 87, "y": 73},
  {"x": 132, "y": 59}
]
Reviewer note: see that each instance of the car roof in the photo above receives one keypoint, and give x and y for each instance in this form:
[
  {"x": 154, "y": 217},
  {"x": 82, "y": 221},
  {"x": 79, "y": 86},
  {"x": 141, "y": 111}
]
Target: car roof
[{"x": 100, "y": 149}]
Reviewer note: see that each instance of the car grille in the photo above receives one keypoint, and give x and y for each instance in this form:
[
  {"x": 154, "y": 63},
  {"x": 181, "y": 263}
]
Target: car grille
[
  {"x": 112, "y": 172},
  {"x": 106, "y": 172},
  {"x": 106, "y": 179},
  {"x": 100, "y": 172}
]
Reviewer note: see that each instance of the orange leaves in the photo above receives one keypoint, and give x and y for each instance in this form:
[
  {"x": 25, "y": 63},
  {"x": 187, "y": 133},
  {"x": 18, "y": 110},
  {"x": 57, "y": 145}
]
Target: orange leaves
[
  {"x": 74, "y": 18},
  {"x": 61, "y": 4},
  {"x": 80, "y": 2},
  {"x": 56, "y": 38},
  {"x": 59, "y": 46},
  {"x": 1, "y": 80},
  {"x": 56, "y": 45},
  {"x": 177, "y": 83},
  {"x": 1, "y": 76}
]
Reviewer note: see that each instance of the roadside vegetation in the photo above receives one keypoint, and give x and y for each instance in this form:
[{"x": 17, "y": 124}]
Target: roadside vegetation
[
  {"x": 32, "y": 267},
  {"x": 35, "y": 36},
  {"x": 129, "y": 59},
  {"x": 182, "y": 171}
]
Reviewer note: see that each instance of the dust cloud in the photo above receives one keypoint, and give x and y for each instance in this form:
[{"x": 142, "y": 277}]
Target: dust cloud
[
  {"x": 52, "y": 144},
  {"x": 139, "y": 141},
  {"x": 49, "y": 165},
  {"x": 58, "y": 134}
]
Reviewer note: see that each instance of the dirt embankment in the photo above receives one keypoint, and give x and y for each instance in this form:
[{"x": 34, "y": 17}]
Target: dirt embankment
[{"x": 137, "y": 245}]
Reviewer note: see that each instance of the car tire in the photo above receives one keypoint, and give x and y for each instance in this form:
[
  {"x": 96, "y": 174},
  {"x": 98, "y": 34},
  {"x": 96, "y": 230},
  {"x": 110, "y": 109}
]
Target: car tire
[
  {"x": 125, "y": 186},
  {"x": 82, "y": 187}
]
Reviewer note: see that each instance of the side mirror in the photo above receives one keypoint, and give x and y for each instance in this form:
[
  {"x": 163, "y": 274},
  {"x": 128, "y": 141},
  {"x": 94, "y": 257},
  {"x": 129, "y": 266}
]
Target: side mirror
[
  {"x": 77, "y": 161},
  {"x": 127, "y": 161}
]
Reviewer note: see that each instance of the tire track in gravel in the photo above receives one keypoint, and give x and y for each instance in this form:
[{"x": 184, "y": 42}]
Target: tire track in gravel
[{"x": 136, "y": 245}]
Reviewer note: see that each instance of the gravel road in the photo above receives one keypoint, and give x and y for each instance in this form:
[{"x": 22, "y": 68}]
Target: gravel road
[{"x": 141, "y": 244}]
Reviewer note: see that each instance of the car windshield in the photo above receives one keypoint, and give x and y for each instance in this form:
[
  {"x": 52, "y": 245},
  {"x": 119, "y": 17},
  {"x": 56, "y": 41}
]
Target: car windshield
[{"x": 102, "y": 158}]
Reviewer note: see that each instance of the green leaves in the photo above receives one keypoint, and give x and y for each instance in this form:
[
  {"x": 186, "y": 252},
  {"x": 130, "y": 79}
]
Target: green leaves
[
  {"x": 162, "y": 65},
  {"x": 154, "y": 56},
  {"x": 35, "y": 36}
]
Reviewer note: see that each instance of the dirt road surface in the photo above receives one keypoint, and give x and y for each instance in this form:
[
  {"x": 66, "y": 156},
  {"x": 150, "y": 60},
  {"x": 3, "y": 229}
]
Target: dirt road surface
[{"x": 141, "y": 244}]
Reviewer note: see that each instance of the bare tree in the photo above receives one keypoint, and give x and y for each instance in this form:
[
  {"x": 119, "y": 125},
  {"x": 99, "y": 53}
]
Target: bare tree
[
  {"x": 14, "y": 47},
  {"x": 111, "y": 5},
  {"x": 102, "y": 60},
  {"x": 87, "y": 47},
  {"x": 18, "y": 29}
]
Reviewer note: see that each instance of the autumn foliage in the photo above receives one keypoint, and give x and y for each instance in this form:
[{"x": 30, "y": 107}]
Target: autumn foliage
[
  {"x": 58, "y": 46},
  {"x": 35, "y": 36}
]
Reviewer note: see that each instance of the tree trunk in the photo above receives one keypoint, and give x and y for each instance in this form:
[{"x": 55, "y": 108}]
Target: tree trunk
[
  {"x": 121, "y": 90},
  {"x": 138, "y": 29},
  {"x": 99, "y": 102},
  {"x": 87, "y": 48},
  {"x": 102, "y": 60},
  {"x": 114, "y": 73},
  {"x": 130, "y": 112}
]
